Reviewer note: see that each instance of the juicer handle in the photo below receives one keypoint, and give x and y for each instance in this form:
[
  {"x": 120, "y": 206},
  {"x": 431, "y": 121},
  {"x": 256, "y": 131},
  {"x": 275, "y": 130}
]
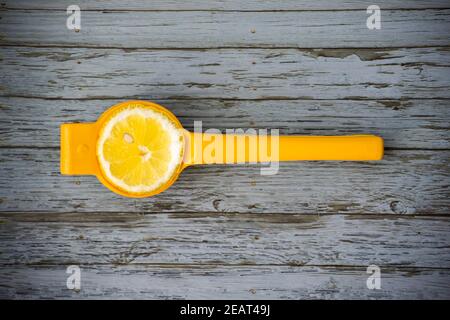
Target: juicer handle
[{"x": 204, "y": 148}]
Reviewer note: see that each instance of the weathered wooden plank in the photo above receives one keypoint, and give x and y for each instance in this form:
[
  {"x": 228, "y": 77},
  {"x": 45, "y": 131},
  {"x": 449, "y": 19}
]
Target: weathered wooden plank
[
  {"x": 243, "y": 74},
  {"x": 404, "y": 182},
  {"x": 205, "y": 29},
  {"x": 153, "y": 282},
  {"x": 238, "y": 5},
  {"x": 403, "y": 124},
  {"x": 223, "y": 239}
]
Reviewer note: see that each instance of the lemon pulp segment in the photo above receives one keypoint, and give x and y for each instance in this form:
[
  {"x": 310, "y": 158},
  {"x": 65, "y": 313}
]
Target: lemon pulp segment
[{"x": 139, "y": 149}]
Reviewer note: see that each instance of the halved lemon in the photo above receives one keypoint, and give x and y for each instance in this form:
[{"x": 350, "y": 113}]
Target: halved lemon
[{"x": 139, "y": 149}]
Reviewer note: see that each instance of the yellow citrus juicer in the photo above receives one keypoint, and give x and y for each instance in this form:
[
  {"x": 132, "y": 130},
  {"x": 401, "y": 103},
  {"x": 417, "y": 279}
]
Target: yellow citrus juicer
[{"x": 139, "y": 148}]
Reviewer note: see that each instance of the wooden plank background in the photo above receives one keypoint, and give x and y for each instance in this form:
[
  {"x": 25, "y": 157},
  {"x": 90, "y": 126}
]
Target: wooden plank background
[
  {"x": 305, "y": 67},
  {"x": 219, "y": 29}
]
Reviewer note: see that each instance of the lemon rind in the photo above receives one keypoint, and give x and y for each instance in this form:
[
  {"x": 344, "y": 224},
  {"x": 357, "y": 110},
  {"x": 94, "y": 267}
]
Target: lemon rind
[{"x": 176, "y": 148}]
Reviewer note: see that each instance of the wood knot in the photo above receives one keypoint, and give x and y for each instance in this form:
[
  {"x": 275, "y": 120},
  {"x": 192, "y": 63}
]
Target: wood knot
[
  {"x": 398, "y": 207},
  {"x": 216, "y": 203}
]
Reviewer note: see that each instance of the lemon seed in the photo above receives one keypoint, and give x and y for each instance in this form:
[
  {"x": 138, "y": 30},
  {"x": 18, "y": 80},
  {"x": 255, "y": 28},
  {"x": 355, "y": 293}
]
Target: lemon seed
[{"x": 128, "y": 138}]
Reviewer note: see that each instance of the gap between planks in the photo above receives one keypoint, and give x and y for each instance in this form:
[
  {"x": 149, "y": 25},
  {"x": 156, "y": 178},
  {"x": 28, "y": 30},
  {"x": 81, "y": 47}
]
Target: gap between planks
[
  {"x": 338, "y": 267},
  {"x": 111, "y": 10},
  {"x": 214, "y": 5},
  {"x": 123, "y": 216},
  {"x": 188, "y": 98},
  {"x": 240, "y": 47}
]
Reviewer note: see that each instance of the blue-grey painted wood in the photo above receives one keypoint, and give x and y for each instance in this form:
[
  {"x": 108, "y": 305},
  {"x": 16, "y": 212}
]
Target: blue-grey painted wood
[
  {"x": 237, "y": 5},
  {"x": 220, "y": 282},
  {"x": 191, "y": 246},
  {"x": 73, "y": 73},
  {"x": 206, "y": 29},
  {"x": 405, "y": 182},
  {"x": 224, "y": 239}
]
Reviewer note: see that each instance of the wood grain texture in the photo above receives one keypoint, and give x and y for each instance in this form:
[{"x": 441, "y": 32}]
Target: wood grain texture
[
  {"x": 224, "y": 239},
  {"x": 405, "y": 182},
  {"x": 226, "y": 232},
  {"x": 196, "y": 282},
  {"x": 72, "y": 73},
  {"x": 199, "y": 256},
  {"x": 415, "y": 124},
  {"x": 206, "y": 29},
  {"x": 236, "y": 5}
]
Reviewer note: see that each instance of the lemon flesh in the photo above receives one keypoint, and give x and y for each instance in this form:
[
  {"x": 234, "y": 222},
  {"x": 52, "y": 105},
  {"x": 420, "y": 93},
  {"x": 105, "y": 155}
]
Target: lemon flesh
[{"x": 139, "y": 149}]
